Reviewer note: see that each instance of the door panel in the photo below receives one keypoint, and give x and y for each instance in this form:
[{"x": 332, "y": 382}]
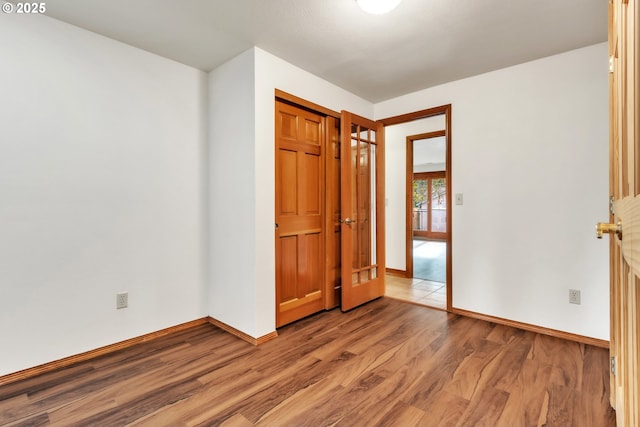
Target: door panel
[
  {"x": 362, "y": 196},
  {"x": 288, "y": 278},
  {"x": 311, "y": 195},
  {"x": 289, "y": 171},
  {"x": 299, "y": 213},
  {"x": 625, "y": 186}
]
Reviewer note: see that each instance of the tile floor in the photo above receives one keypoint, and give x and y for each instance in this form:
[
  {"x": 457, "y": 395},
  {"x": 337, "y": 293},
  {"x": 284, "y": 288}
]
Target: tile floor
[
  {"x": 430, "y": 260},
  {"x": 417, "y": 291}
]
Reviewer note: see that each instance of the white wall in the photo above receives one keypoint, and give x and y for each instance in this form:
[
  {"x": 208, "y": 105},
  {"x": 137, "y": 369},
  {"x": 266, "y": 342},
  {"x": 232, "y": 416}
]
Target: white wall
[
  {"x": 102, "y": 189},
  {"x": 530, "y": 154},
  {"x": 243, "y": 182},
  {"x": 232, "y": 168}
]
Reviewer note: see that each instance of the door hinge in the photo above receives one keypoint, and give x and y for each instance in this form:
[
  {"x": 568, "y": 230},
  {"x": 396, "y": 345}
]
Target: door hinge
[
  {"x": 613, "y": 366},
  {"x": 611, "y": 64},
  {"x": 612, "y": 206}
]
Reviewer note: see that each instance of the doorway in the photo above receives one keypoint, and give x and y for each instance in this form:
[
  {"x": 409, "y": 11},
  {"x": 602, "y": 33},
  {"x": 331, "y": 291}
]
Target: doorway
[
  {"x": 427, "y": 204},
  {"x": 423, "y": 145}
]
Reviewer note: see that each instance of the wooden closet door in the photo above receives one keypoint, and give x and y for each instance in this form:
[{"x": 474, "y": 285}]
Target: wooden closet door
[{"x": 300, "y": 183}]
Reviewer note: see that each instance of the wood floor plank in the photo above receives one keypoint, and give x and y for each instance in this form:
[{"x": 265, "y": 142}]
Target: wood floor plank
[
  {"x": 192, "y": 410},
  {"x": 527, "y": 396},
  {"x": 377, "y": 407},
  {"x": 445, "y": 410},
  {"x": 37, "y": 421},
  {"x": 568, "y": 363},
  {"x": 287, "y": 411},
  {"x": 515, "y": 352},
  {"x": 384, "y": 363},
  {"x": 402, "y": 415},
  {"x": 485, "y": 412},
  {"x": 561, "y": 406}
]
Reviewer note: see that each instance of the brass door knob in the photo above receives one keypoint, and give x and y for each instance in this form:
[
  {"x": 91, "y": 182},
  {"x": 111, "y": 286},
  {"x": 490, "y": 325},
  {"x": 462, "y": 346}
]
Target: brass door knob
[{"x": 603, "y": 227}]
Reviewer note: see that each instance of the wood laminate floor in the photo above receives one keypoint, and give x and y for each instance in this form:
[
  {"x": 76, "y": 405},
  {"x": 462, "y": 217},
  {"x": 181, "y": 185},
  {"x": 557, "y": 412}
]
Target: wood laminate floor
[{"x": 387, "y": 363}]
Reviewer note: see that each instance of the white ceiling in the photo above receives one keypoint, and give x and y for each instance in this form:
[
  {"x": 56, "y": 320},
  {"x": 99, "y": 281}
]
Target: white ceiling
[{"x": 420, "y": 44}]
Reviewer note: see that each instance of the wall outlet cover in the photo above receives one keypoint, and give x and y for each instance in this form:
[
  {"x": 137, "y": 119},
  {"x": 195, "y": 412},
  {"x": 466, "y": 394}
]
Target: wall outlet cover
[
  {"x": 122, "y": 300},
  {"x": 574, "y": 296}
]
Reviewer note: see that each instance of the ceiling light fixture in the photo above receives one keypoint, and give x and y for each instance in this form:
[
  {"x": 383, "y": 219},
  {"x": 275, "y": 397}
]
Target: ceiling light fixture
[{"x": 378, "y": 7}]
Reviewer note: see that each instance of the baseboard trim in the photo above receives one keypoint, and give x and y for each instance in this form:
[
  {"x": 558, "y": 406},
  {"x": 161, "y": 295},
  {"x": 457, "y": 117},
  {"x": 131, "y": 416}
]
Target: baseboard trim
[
  {"x": 394, "y": 272},
  {"x": 534, "y": 328},
  {"x": 88, "y": 355},
  {"x": 245, "y": 337}
]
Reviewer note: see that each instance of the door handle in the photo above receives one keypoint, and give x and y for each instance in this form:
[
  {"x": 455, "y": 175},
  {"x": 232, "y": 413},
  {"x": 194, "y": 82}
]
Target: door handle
[
  {"x": 603, "y": 227},
  {"x": 348, "y": 221}
]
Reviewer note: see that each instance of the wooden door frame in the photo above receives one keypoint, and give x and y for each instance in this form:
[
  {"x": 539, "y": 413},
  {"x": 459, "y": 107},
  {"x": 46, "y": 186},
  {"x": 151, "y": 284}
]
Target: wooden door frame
[{"x": 409, "y": 117}]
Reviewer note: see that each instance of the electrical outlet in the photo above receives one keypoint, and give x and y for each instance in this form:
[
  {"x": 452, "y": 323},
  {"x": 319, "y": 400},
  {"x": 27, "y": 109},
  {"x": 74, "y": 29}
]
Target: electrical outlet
[
  {"x": 574, "y": 296},
  {"x": 122, "y": 300}
]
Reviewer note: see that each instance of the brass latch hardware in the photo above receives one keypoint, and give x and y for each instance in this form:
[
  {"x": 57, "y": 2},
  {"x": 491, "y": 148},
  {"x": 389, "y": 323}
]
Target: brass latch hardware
[{"x": 603, "y": 227}]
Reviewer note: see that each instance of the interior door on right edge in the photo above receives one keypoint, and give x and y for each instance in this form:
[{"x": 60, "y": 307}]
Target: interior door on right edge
[
  {"x": 362, "y": 206},
  {"x": 624, "y": 347}
]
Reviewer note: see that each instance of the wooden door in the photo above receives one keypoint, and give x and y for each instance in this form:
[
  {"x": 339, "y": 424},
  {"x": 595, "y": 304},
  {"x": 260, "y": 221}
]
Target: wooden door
[
  {"x": 625, "y": 190},
  {"x": 362, "y": 200},
  {"x": 299, "y": 213}
]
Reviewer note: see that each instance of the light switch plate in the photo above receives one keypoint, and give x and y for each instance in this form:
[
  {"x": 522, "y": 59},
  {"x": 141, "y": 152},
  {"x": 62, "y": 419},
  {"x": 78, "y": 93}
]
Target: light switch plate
[{"x": 459, "y": 198}]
